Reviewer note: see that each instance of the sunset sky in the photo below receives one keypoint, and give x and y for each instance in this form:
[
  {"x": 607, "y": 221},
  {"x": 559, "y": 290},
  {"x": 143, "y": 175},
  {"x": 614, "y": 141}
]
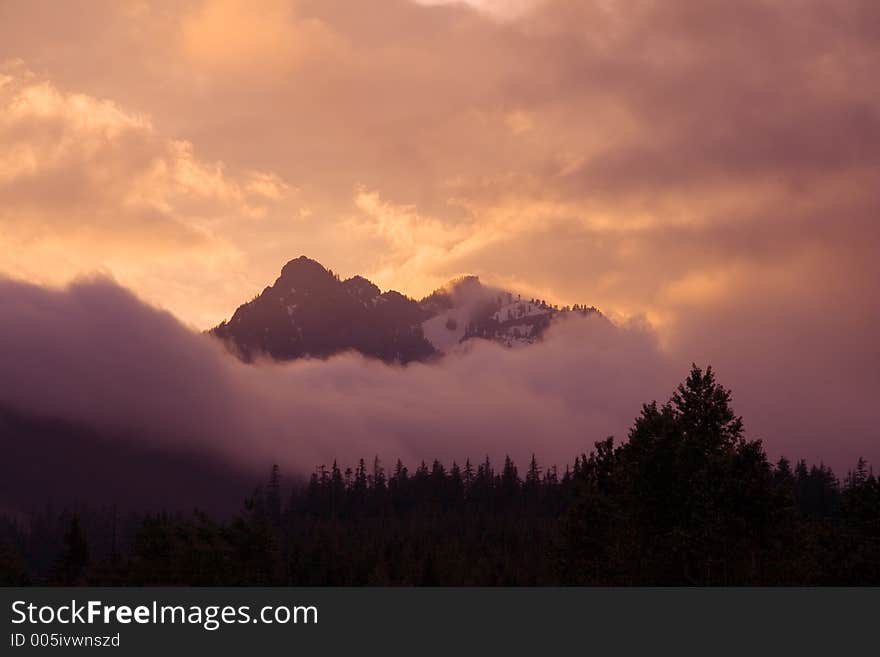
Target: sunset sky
[{"x": 709, "y": 167}]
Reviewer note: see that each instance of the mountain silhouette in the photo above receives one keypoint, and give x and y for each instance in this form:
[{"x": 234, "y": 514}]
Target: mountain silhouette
[{"x": 310, "y": 312}]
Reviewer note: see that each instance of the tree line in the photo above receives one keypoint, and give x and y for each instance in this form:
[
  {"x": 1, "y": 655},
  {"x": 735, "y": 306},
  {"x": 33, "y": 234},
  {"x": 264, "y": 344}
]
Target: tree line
[{"x": 687, "y": 499}]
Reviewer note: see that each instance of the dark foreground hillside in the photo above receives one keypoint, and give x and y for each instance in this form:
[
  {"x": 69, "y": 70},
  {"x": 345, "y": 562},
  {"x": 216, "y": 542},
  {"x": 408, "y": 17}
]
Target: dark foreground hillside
[{"x": 686, "y": 500}]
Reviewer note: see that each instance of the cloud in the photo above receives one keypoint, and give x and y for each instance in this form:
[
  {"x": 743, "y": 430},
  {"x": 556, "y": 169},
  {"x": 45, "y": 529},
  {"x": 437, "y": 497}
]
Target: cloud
[
  {"x": 95, "y": 355},
  {"x": 643, "y": 143},
  {"x": 229, "y": 37},
  {"x": 503, "y": 9},
  {"x": 711, "y": 167},
  {"x": 87, "y": 185}
]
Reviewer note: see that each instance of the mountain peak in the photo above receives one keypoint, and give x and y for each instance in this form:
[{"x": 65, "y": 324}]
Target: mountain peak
[
  {"x": 310, "y": 312},
  {"x": 464, "y": 285},
  {"x": 303, "y": 267},
  {"x": 361, "y": 288}
]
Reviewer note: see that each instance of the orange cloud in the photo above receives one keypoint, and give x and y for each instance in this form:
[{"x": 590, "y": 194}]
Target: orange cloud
[
  {"x": 234, "y": 36},
  {"x": 712, "y": 166},
  {"x": 609, "y": 153},
  {"x": 89, "y": 186}
]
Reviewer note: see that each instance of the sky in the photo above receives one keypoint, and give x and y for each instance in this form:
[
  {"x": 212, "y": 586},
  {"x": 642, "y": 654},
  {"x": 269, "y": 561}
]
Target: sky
[{"x": 710, "y": 169}]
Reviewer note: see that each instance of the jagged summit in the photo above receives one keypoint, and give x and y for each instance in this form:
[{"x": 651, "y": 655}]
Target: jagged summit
[
  {"x": 304, "y": 271},
  {"x": 462, "y": 283},
  {"x": 457, "y": 286},
  {"x": 303, "y": 266},
  {"x": 362, "y": 289},
  {"x": 310, "y": 312}
]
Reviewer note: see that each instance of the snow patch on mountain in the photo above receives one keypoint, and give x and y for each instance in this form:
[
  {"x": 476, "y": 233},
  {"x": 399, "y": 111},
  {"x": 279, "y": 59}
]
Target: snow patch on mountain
[{"x": 446, "y": 330}]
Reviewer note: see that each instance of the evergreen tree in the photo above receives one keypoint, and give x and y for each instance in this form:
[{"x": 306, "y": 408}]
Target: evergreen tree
[
  {"x": 337, "y": 490},
  {"x": 273, "y": 496},
  {"x": 74, "y": 556},
  {"x": 687, "y": 487},
  {"x": 509, "y": 483}
]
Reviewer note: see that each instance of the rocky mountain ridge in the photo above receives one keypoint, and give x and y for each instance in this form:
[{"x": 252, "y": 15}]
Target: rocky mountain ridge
[{"x": 310, "y": 312}]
